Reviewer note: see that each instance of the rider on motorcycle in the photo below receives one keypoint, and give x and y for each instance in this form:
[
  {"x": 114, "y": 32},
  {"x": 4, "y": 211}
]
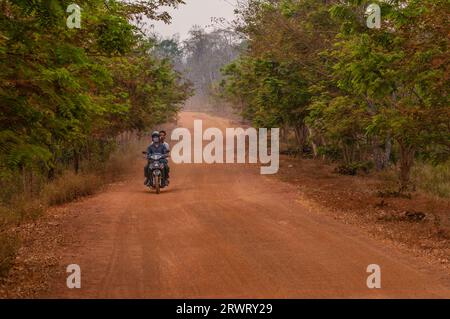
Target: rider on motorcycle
[{"x": 156, "y": 147}]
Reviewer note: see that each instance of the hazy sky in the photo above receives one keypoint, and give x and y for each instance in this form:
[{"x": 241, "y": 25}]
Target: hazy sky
[{"x": 195, "y": 12}]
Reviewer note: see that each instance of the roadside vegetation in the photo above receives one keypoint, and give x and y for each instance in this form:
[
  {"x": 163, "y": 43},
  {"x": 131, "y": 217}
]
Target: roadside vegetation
[
  {"x": 71, "y": 99},
  {"x": 366, "y": 99},
  {"x": 433, "y": 179}
]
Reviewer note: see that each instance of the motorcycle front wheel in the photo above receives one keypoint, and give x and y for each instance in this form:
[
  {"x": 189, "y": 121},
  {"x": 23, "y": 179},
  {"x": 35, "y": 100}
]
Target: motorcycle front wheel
[{"x": 158, "y": 184}]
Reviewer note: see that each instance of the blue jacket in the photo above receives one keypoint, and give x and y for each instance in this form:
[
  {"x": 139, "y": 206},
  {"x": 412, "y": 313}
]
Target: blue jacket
[{"x": 160, "y": 149}]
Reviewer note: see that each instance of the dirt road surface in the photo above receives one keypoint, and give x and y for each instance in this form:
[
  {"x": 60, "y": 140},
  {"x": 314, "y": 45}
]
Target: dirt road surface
[{"x": 225, "y": 231}]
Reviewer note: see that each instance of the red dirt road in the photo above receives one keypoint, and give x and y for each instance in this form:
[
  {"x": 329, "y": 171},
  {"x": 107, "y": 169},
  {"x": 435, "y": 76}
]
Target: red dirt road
[{"x": 225, "y": 231}]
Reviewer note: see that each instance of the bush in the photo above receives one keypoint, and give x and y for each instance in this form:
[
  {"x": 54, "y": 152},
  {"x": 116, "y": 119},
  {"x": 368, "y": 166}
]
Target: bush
[
  {"x": 69, "y": 187},
  {"x": 355, "y": 168},
  {"x": 330, "y": 152},
  {"x": 433, "y": 179}
]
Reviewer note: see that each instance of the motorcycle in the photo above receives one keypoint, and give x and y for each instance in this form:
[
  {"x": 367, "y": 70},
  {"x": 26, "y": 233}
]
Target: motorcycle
[{"x": 157, "y": 180}]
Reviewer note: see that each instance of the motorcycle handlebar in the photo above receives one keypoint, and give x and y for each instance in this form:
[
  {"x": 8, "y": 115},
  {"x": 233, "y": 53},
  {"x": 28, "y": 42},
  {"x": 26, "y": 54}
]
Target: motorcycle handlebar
[{"x": 162, "y": 155}]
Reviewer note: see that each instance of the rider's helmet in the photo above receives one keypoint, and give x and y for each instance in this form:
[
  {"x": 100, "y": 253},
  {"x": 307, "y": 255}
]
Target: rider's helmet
[{"x": 155, "y": 137}]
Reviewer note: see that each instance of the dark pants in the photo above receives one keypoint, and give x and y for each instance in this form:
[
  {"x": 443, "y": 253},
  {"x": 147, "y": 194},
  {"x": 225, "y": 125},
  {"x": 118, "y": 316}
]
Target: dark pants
[{"x": 165, "y": 172}]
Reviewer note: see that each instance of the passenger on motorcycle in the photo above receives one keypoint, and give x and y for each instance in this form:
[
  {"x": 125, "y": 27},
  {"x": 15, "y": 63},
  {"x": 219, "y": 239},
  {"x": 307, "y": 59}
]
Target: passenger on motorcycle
[{"x": 156, "y": 147}]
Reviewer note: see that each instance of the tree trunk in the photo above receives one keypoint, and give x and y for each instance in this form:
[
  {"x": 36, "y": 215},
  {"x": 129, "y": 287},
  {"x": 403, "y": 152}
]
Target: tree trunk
[
  {"x": 406, "y": 162},
  {"x": 51, "y": 174},
  {"x": 301, "y": 134},
  {"x": 313, "y": 143},
  {"x": 76, "y": 161},
  {"x": 387, "y": 150},
  {"x": 348, "y": 153},
  {"x": 381, "y": 153}
]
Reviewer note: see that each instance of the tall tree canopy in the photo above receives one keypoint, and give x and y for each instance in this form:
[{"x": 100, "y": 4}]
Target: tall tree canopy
[
  {"x": 353, "y": 93},
  {"x": 62, "y": 89}
]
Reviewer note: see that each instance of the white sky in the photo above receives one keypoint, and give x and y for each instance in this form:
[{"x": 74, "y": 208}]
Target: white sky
[{"x": 195, "y": 12}]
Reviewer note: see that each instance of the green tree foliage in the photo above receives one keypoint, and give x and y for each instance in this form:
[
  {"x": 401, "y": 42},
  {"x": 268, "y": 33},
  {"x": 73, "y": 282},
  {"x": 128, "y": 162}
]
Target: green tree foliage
[
  {"x": 63, "y": 90},
  {"x": 289, "y": 36},
  {"x": 270, "y": 92},
  {"x": 361, "y": 93},
  {"x": 171, "y": 50},
  {"x": 400, "y": 71}
]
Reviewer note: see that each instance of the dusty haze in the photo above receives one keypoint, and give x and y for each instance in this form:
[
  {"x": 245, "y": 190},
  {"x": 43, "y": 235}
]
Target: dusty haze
[{"x": 194, "y": 12}]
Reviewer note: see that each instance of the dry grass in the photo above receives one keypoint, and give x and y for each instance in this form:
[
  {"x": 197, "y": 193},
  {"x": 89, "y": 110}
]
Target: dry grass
[
  {"x": 21, "y": 206},
  {"x": 434, "y": 180},
  {"x": 69, "y": 187}
]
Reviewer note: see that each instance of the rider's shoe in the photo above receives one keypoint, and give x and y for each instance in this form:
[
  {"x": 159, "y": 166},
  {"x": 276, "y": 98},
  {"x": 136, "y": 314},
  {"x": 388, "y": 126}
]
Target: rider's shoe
[{"x": 146, "y": 182}]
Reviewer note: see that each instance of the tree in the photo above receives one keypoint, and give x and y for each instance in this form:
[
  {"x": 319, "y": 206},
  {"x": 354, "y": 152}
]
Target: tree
[
  {"x": 62, "y": 89},
  {"x": 398, "y": 70},
  {"x": 205, "y": 54},
  {"x": 359, "y": 93}
]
